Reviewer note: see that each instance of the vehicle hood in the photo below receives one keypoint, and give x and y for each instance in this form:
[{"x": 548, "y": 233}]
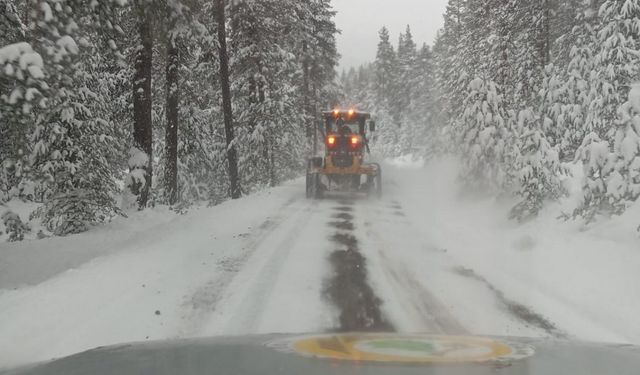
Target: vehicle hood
[{"x": 368, "y": 353}]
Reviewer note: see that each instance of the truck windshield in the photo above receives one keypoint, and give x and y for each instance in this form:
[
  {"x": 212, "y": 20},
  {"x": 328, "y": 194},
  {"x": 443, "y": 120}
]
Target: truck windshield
[{"x": 344, "y": 127}]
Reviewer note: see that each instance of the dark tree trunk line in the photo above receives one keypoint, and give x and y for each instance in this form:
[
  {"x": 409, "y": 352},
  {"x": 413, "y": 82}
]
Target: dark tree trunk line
[
  {"x": 305, "y": 90},
  {"x": 142, "y": 131},
  {"x": 546, "y": 52},
  {"x": 232, "y": 156},
  {"x": 171, "y": 136},
  {"x": 269, "y": 157}
]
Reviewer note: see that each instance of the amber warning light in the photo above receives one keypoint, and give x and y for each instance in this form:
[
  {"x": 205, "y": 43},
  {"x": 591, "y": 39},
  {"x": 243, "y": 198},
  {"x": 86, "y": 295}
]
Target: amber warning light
[{"x": 331, "y": 140}]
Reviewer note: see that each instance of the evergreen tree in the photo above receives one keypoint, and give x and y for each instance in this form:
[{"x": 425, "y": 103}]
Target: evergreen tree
[
  {"x": 319, "y": 59},
  {"x": 623, "y": 186},
  {"x": 538, "y": 168},
  {"x": 385, "y": 65},
  {"x": 597, "y": 164},
  {"x": 265, "y": 71},
  {"x": 384, "y": 85},
  {"x": 402, "y": 92},
  {"x": 615, "y": 68},
  {"x": 484, "y": 137},
  {"x": 22, "y": 83}
]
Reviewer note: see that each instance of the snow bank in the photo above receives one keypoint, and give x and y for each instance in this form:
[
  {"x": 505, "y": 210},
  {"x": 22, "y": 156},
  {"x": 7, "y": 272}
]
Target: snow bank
[
  {"x": 155, "y": 275},
  {"x": 584, "y": 281},
  {"x": 33, "y": 261}
]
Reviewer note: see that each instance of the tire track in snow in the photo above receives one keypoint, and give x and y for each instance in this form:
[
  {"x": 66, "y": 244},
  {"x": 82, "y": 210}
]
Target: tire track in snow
[
  {"x": 200, "y": 304},
  {"x": 246, "y": 315},
  {"x": 432, "y": 314},
  {"x": 496, "y": 303},
  {"x": 421, "y": 308},
  {"x": 520, "y": 311}
]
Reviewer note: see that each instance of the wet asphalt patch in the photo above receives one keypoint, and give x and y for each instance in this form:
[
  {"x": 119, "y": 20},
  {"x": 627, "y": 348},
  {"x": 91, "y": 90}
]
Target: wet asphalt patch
[
  {"x": 519, "y": 310},
  {"x": 348, "y": 288},
  {"x": 342, "y": 225},
  {"x": 347, "y": 240}
]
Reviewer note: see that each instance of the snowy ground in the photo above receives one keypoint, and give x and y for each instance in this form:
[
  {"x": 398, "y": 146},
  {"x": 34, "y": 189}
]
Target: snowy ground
[{"x": 437, "y": 261}]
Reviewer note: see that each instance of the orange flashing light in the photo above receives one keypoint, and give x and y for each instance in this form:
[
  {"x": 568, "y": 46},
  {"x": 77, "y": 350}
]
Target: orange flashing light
[
  {"x": 351, "y": 112},
  {"x": 336, "y": 112},
  {"x": 354, "y": 141}
]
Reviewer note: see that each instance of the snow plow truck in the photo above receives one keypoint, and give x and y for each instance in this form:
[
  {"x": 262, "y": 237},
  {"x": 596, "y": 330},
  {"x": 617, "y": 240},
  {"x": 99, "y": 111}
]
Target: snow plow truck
[{"x": 343, "y": 167}]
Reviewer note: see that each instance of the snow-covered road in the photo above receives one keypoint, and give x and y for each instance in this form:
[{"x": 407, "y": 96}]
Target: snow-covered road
[{"x": 421, "y": 259}]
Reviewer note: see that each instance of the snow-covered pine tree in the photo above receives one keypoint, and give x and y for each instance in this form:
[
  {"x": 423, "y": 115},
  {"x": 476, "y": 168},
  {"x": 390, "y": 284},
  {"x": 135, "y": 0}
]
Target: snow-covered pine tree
[
  {"x": 538, "y": 167},
  {"x": 623, "y": 184},
  {"x": 318, "y": 60},
  {"x": 183, "y": 38},
  {"x": 271, "y": 130},
  {"x": 566, "y": 93},
  {"x": 463, "y": 55},
  {"x": 385, "y": 67},
  {"x": 597, "y": 164},
  {"x": 22, "y": 82},
  {"x": 484, "y": 138},
  {"x": 477, "y": 31},
  {"x": 402, "y": 92},
  {"x": 567, "y": 20},
  {"x": 423, "y": 131},
  {"x": 72, "y": 144},
  {"x": 537, "y": 163},
  {"x": 14, "y": 122},
  {"x": 616, "y": 67},
  {"x": 450, "y": 69},
  {"x": 615, "y": 63},
  {"x": 201, "y": 157}
]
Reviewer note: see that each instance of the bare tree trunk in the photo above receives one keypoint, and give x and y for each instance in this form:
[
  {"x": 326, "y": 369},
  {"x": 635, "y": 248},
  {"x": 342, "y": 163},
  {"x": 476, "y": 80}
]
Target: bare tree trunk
[
  {"x": 171, "y": 137},
  {"x": 305, "y": 90},
  {"x": 547, "y": 33},
  {"x": 232, "y": 156},
  {"x": 142, "y": 132},
  {"x": 315, "y": 119},
  {"x": 272, "y": 166}
]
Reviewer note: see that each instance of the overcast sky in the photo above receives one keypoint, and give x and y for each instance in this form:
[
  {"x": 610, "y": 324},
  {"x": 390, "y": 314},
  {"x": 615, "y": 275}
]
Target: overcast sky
[{"x": 360, "y": 20}]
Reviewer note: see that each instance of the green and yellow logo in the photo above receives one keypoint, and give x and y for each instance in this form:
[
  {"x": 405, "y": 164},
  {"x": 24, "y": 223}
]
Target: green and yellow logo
[{"x": 408, "y": 348}]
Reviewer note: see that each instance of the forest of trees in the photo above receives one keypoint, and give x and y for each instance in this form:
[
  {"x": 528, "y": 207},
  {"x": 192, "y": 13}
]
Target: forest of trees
[
  {"x": 111, "y": 105},
  {"x": 518, "y": 89},
  {"x": 107, "y": 106}
]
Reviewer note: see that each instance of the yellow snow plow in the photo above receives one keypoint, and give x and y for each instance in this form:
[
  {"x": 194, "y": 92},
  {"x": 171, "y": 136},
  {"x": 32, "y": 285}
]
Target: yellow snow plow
[{"x": 343, "y": 167}]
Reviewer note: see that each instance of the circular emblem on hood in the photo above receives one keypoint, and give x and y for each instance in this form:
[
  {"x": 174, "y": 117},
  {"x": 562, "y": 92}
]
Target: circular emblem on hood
[{"x": 405, "y": 348}]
